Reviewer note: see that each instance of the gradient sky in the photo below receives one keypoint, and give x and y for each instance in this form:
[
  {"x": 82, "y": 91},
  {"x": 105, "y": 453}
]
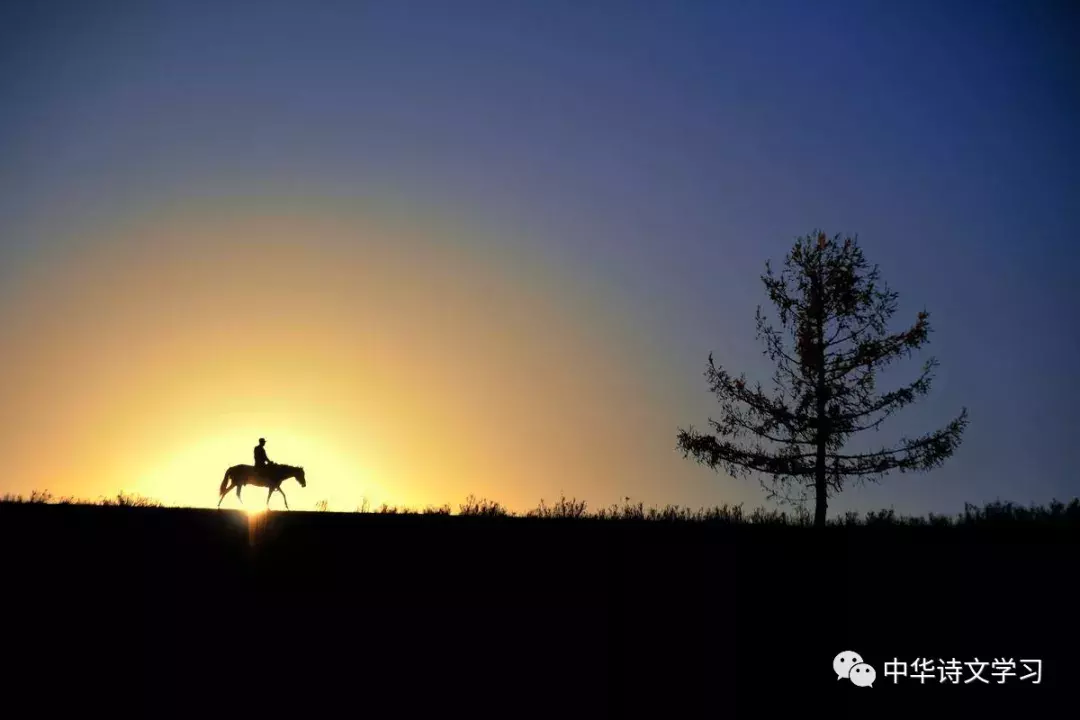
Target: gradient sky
[{"x": 438, "y": 248}]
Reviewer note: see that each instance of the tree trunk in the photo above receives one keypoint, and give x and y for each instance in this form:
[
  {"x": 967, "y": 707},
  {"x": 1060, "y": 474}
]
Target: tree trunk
[
  {"x": 821, "y": 500},
  {"x": 821, "y": 504}
]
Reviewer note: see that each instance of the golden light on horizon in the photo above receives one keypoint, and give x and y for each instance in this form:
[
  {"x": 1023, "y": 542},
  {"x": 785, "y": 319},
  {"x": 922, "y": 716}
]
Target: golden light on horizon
[
  {"x": 256, "y": 521},
  {"x": 396, "y": 365}
]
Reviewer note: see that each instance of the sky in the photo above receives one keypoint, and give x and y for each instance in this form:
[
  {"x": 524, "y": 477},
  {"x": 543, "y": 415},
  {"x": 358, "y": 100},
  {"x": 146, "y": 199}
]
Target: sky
[{"x": 435, "y": 249}]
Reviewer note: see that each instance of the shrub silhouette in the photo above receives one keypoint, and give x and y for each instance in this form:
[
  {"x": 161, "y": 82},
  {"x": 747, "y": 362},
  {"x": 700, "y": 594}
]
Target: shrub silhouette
[
  {"x": 130, "y": 500},
  {"x": 564, "y": 508},
  {"x": 36, "y": 497},
  {"x": 482, "y": 507}
]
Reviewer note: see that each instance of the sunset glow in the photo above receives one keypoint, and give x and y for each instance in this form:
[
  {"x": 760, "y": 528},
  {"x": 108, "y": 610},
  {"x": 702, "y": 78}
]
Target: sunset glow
[{"x": 396, "y": 364}]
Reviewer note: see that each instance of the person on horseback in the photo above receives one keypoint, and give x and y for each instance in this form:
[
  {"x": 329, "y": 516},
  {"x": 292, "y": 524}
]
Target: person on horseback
[{"x": 261, "y": 460}]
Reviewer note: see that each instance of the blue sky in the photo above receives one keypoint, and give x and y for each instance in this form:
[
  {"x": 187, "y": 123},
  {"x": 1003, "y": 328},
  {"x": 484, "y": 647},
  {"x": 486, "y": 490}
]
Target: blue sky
[{"x": 658, "y": 152}]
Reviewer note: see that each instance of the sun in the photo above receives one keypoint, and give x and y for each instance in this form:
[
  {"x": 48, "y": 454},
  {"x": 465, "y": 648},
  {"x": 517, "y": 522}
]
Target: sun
[{"x": 256, "y": 520}]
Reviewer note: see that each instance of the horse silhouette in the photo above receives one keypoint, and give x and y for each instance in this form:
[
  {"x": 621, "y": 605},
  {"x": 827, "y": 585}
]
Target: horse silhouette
[{"x": 272, "y": 476}]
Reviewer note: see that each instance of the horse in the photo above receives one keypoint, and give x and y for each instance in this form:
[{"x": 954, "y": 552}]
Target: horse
[{"x": 272, "y": 476}]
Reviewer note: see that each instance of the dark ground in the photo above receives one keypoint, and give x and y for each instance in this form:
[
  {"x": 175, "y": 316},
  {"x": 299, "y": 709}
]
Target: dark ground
[{"x": 136, "y": 610}]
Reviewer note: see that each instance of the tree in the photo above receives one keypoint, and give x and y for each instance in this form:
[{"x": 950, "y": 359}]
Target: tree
[{"x": 833, "y": 340}]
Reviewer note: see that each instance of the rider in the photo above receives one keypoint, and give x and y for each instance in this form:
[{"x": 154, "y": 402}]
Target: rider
[{"x": 261, "y": 461}]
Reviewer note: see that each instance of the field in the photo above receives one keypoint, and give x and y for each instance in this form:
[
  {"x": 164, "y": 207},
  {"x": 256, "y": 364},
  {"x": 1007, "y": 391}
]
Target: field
[{"x": 562, "y": 614}]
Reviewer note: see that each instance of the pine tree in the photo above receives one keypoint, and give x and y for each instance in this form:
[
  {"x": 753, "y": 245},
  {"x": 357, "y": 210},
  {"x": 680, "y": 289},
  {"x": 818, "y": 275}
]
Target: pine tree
[{"x": 833, "y": 339}]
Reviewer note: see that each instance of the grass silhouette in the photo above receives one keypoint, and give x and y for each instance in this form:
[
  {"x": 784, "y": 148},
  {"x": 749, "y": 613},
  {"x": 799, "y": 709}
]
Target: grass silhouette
[
  {"x": 997, "y": 514},
  {"x": 44, "y": 497}
]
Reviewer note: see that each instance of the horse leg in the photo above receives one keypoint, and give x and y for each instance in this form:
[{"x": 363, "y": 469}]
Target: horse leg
[
  {"x": 223, "y": 496},
  {"x": 268, "y": 496},
  {"x": 284, "y": 498},
  {"x": 238, "y": 493}
]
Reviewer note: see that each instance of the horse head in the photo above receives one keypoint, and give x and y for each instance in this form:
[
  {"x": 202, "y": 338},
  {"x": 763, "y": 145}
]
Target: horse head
[{"x": 300, "y": 477}]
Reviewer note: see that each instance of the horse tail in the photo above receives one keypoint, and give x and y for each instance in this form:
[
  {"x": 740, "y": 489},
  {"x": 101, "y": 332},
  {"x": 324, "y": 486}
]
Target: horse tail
[{"x": 224, "y": 482}]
